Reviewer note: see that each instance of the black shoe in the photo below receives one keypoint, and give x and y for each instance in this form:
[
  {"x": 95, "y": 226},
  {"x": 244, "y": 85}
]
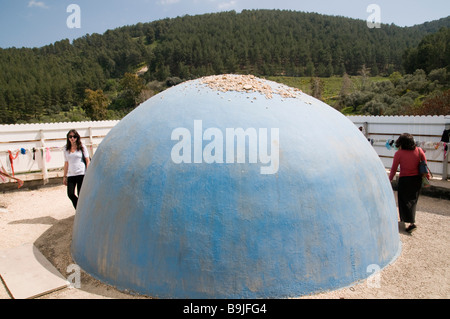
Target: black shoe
[{"x": 411, "y": 228}]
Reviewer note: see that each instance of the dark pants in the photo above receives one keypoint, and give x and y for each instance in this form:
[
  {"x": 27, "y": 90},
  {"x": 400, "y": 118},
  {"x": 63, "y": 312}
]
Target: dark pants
[
  {"x": 72, "y": 182},
  {"x": 408, "y": 194}
]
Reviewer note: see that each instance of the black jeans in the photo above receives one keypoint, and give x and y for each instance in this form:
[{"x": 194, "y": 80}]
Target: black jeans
[{"x": 72, "y": 182}]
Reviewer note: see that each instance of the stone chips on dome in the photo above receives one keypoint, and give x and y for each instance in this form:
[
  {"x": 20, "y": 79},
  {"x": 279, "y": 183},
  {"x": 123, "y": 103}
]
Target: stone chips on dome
[{"x": 247, "y": 83}]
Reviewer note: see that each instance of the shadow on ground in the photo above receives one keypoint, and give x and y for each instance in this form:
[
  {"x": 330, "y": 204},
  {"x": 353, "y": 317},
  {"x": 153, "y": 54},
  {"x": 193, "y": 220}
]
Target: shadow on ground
[{"x": 55, "y": 243}]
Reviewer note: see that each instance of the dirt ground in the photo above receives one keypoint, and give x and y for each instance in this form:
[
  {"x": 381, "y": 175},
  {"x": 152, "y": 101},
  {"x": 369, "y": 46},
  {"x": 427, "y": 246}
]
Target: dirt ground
[{"x": 45, "y": 217}]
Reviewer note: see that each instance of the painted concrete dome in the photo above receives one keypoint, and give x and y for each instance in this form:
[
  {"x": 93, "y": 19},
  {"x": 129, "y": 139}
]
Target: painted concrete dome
[{"x": 232, "y": 186}]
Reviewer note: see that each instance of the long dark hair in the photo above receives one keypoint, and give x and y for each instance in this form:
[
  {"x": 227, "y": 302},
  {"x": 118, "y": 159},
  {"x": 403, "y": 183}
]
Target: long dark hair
[
  {"x": 69, "y": 145},
  {"x": 406, "y": 141}
]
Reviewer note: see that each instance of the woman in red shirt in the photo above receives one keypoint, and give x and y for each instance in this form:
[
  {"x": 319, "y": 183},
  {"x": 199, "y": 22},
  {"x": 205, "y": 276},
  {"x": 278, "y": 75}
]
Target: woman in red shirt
[{"x": 408, "y": 157}]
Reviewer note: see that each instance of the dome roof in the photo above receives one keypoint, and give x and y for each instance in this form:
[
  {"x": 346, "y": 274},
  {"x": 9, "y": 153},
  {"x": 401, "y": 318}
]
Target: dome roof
[{"x": 232, "y": 186}]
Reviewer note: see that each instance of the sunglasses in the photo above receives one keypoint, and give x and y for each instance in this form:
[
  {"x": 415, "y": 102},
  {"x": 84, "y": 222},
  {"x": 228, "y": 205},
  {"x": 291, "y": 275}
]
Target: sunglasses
[{"x": 72, "y": 136}]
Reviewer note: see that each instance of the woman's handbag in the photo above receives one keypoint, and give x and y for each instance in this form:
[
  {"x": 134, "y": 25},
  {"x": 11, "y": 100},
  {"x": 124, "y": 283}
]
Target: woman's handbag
[
  {"x": 423, "y": 171},
  {"x": 423, "y": 168},
  {"x": 83, "y": 157}
]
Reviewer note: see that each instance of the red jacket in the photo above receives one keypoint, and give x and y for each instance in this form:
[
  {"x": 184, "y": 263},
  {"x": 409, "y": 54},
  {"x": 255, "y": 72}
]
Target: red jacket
[{"x": 408, "y": 161}]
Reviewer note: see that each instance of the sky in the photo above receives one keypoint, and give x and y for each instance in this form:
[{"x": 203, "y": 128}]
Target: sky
[{"x": 35, "y": 23}]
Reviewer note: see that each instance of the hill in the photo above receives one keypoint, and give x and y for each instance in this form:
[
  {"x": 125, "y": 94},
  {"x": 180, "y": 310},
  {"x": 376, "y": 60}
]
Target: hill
[{"x": 60, "y": 77}]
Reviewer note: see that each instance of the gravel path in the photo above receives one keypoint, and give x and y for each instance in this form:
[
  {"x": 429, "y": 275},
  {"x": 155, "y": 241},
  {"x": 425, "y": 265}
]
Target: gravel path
[{"x": 45, "y": 217}]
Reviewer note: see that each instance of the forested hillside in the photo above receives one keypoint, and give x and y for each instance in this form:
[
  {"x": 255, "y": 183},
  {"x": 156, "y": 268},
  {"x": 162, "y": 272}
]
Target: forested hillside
[
  {"x": 96, "y": 76},
  {"x": 279, "y": 43}
]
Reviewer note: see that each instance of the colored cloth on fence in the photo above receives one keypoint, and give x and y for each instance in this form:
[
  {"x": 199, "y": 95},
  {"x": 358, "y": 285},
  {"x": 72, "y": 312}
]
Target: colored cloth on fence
[
  {"x": 11, "y": 160},
  {"x": 48, "y": 157}
]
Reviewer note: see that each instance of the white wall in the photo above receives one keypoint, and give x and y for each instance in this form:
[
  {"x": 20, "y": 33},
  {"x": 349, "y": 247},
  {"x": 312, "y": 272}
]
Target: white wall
[
  {"x": 49, "y": 140},
  {"x": 427, "y": 130}
]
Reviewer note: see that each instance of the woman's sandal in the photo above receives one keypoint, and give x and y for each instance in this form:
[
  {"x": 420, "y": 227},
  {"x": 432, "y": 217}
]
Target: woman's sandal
[{"x": 411, "y": 228}]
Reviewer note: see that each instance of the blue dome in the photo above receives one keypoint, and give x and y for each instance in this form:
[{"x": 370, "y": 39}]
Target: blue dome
[{"x": 232, "y": 186}]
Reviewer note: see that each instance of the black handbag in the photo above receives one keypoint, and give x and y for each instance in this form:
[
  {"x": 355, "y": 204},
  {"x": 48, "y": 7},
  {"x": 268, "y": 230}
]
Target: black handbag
[{"x": 83, "y": 157}]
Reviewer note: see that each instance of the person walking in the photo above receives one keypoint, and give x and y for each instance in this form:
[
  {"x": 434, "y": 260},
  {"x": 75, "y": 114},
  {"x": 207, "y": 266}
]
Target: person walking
[
  {"x": 408, "y": 156},
  {"x": 76, "y": 162}
]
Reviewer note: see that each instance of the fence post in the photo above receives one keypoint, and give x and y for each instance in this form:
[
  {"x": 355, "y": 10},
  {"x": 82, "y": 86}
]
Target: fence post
[
  {"x": 366, "y": 129},
  {"x": 445, "y": 160},
  {"x": 91, "y": 141},
  {"x": 44, "y": 162}
]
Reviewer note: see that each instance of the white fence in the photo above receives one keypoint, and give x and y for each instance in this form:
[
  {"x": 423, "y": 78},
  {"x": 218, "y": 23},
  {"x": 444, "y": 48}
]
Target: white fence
[
  {"x": 34, "y": 151},
  {"x": 427, "y": 131}
]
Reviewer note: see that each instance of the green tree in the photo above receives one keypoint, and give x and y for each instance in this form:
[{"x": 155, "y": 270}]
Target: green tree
[
  {"x": 3, "y": 109},
  {"x": 433, "y": 52},
  {"x": 309, "y": 70},
  {"x": 131, "y": 86},
  {"x": 395, "y": 77},
  {"x": 95, "y": 104}
]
